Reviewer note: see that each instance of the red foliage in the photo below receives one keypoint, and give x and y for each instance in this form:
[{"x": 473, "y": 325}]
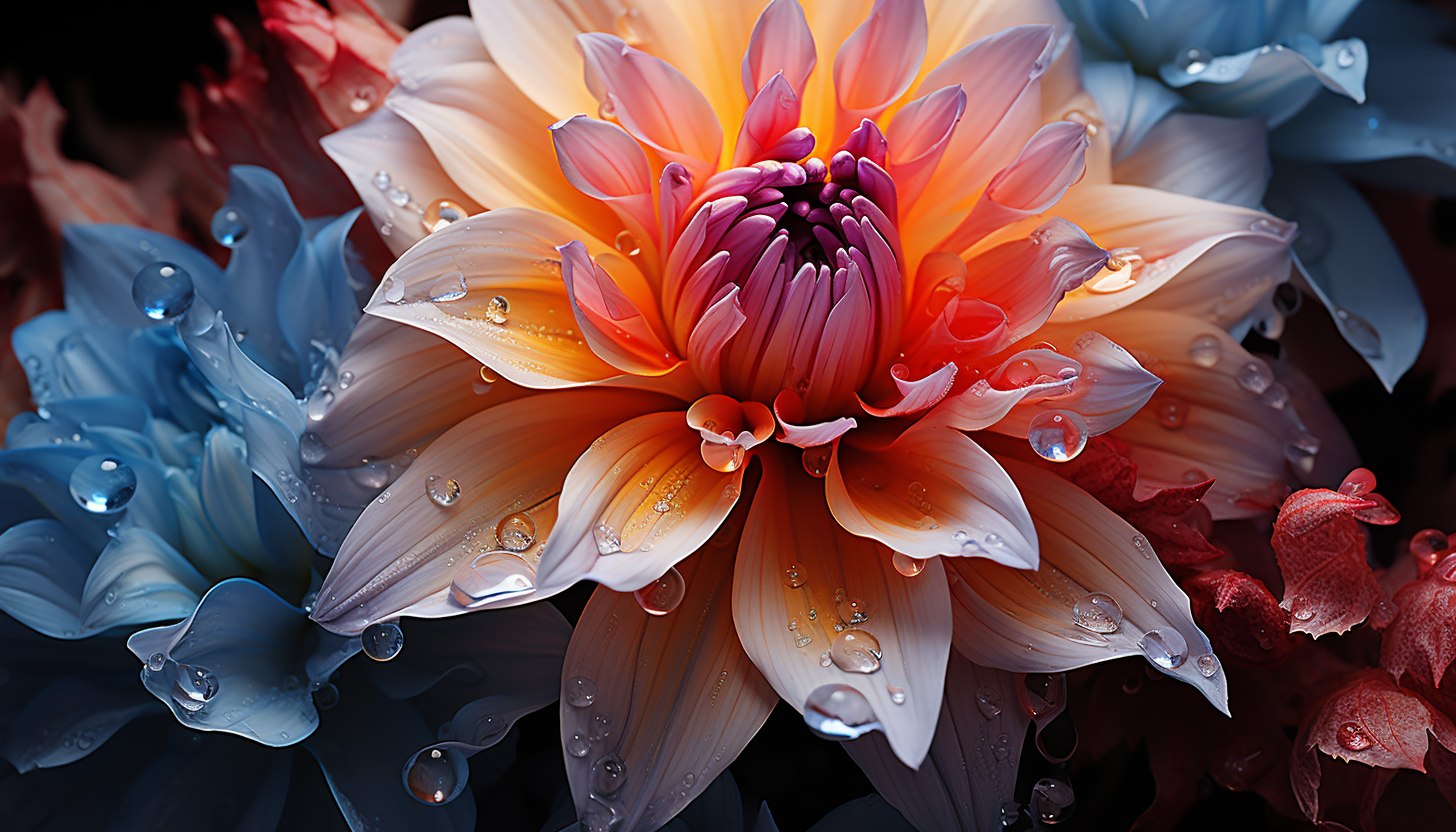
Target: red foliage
[
  {"x": 1421, "y": 642},
  {"x": 1320, "y": 546},
  {"x": 1240, "y": 616}
]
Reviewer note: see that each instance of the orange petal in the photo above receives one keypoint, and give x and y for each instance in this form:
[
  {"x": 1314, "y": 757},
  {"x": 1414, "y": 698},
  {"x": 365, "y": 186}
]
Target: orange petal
[
  {"x": 1023, "y": 620},
  {"x": 729, "y": 429},
  {"x": 531, "y": 41},
  {"x": 406, "y": 549},
  {"x": 638, "y": 501},
  {"x": 793, "y": 561},
  {"x": 623, "y": 334},
  {"x": 492, "y": 286},
  {"x": 672, "y": 698},
  {"x": 878, "y": 61},
  {"x": 603, "y": 161},
  {"x": 931, "y": 492}
]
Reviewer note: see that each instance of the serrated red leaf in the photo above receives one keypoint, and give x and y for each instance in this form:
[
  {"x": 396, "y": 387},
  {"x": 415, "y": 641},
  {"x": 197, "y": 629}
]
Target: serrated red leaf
[
  {"x": 1320, "y": 546},
  {"x": 1240, "y": 616},
  {"x": 1421, "y": 642}
]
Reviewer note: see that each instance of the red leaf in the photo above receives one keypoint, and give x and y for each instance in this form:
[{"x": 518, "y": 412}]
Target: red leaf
[
  {"x": 1320, "y": 546},
  {"x": 1421, "y": 642},
  {"x": 1173, "y": 519},
  {"x": 1372, "y": 721},
  {"x": 1240, "y": 616}
]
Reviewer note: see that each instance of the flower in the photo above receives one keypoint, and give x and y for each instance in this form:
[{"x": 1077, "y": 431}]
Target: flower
[
  {"x": 893, "y": 249},
  {"x": 131, "y": 503}
]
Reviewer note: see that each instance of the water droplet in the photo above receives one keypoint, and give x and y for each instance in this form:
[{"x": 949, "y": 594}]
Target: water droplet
[
  {"x": 906, "y": 565},
  {"x": 1097, "y": 612},
  {"x": 441, "y": 213},
  {"x": 318, "y": 403},
  {"x": 363, "y": 100},
  {"x": 1010, "y": 812},
  {"x": 577, "y": 745},
  {"x": 1051, "y": 801},
  {"x": 1020, "y": 373},
  {"x": 662, "y": 595},
  {"x": 1277, "y": 396},
  {"x": 839, "y": 712},
  {"x": 156, "y": 662},
  {"x": 326, "y": 697},
  {"x": 1172, "y": 413},
  {"x": 1303, "y": 610},
  {"x": 856, "y": 651},
  {"x": 1352, "y": 737},
  {"x": 393, "y": 289},
  {"x": 1057, "y": 435},
  {"x": 1205, "y": 350},
  {"x": 579, "y": 691},
  {"x": 450, "y": 287},
  {"x": 311, "y": 449},
  {"x": 229, "y": 226},
  {"x": 689, "y": 779},
  {"x": 608, "y": 541},
  {"x": 435, "y": 776},
  {"x": 442, "y": 491},
  {"x": 1345, "y": 57},
  {"x": 851, "y": 610},
  {"x": 492, "y": 576},
  {"x": 497, "y": 310},
  {"x": 382, "y": 641},
  {"x": 516, "y": 532},
  {"x": 382, "y": 180},
  {"x": 1194, "y": 61},
  {"x": 609, "y": 774},
  {"x": 627, "y": 244},
  {"x": 1255, "y": 376},
  {"x": 1164, "y": 647},
  {"x": 816, "y": 460},
  {"x": 346, "y": 378},
  {"x": 162, "y": 291},
  {"x": 1358, "y": 332},
  {"x": 194, "y": 688},
  {"x": 795, "y": 576},
  {"x": 601, "y": 726},
  {"x": 1207, "y": 665},
  {"x": 399, "y": 196},
  {"x": 103, "y": 484},
  {"x": 1428, "y": 544},
  {"x": 897, "y": 695},
  {"x": 988, "y": 700}
]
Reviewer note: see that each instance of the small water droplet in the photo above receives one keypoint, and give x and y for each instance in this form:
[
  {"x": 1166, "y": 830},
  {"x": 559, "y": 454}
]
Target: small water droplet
[
  {"x": 1010, "y": 813},
  {"x": 162, "y": 291},
  {"x": 363, "y": 100},
  {"x": 382, "y": 180},
  {"x": 1171, "y": 412},
  {"x": 399, "y": 196},
  {"x": 851, "y": 610},
  {"x": 103, "y": 484},
  {"x": 609, "y": 774},
  {"x": 1255, "y": 376},
  {"x": 1194, "y": 61},
  {"x": 436, "y": 776},
  {"x": 856, "y": 651},
  {"x": 1352, "y": 737},
  {"x": 1205, "y": 350},
  {"x": 516, "y": 532},
  {"x": 579, "y": 691},
  {"x": 1164, "y": 647},
  {"x": 156, "y": 662},
  {"x": 816, "y": 460},
  {"x": 663, "y": 595},
  {"x": 1207, "y": 665},
  {"x": 839, "y": 712},
  {"x": 897, "y": 695},
  {"x": 1345, "y": 57},
  {"x": 312, "y": 449},
  {"x": 601, "y": 727},
  {"x": 577, "y": 745},
  {"x": 1057, "y": 435},
  {"x": 382, "y": 641},
  {"x": 795, "y": 576},
  {"x": 906, "y": 565},
  {"x": 442, "y": 491},
  {"x": 608, "y": 541},
  {"x": 393, "y": 289},
  {"x": 497, "y": 310},
  {"x": 1097, "y": 612},
  {"x": 440, "y": 214},
  {"x": 1051, "y": 801},
  {"x": 229, "y": 226},
  {"x": 988, "y": 700}
]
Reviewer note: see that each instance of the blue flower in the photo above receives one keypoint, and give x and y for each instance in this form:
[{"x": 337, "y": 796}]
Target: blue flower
[
  {"x": 157, "y": 517},
  {"x": 1343, "y": 90}
]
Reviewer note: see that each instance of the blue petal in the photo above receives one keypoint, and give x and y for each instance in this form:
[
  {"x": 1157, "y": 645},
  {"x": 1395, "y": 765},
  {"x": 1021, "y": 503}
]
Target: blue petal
[
  {"x": 1404, "y": 137},
  {"x": 99, "y": 263},
  {"x": 67, "y": 355},
  {"x": 219, "y": 784},
  {"x": 1322, "y": 18},
  {"x": 35, "y": 483},
  {"x": 70, "y": 718},
  {"x": 1130, "y": 105},
  {"x": 1155, "y": 31},
  {"x": 316, "y": 303},
  {"x": 205, "y": 549},
  {"x": 1272, "y": 82},
  {"x": 251, "y": 645},
  {"x": 1351, "y": 266},
  {"x": 138, "y": 579},
  {"x": 226, "y": 486},
  {"x": 43, "y": 568},
  {"x": 765, "y": 821}
]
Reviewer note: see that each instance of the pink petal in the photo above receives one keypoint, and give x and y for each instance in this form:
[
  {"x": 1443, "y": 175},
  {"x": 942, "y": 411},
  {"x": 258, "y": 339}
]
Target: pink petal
[
  {"x": 655, "y": 103},
  {"x": 1028, "y": 277},
  {"x": 918, "y": 136},
  {"x": 601, "y": 160},
  {"x": 789, "y": 410},
  {"x": 681, "y": 695},
  {"x": 771, "y": 127},
  {"x": 913, "y": 396},
  {"x": 616, "y": 329},
  {"x": 718, "y": 324},
  {"x": 788, "y": 526},
  {"x": 877, "y": 63},
  {"x": 1108, "y": 389},
  {"x": 931, "y": 492},
  {"x": 781, "y": 42},
  {"x": 638, "y": 501},
  {"x": 729, "y": 428}
]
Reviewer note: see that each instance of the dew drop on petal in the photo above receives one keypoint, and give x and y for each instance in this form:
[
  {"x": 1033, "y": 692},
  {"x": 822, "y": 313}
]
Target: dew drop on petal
[
  {"x": 608, "y": 541},
  {"x": 442, "y": 491},
  {"x": 1193, "y": 61},
  {"x": 1057, "y": 435},
  {"x": 103, "y": 484},
  {"x": 498, "y": 310},
  {"x": 851, "y": 610},
  {"x": 1352, "y": 737},
  {"x": 1255, "y": 376},
  {"x": 516, "y": 532},
  {"x": 579, "y": 691},
  {"x": 229, "y": 226},
  {"x": 491, "y": 576},
  {"x": 1205, "y": 350},
  {"x": 908, "y": 566},
  {"x": 194, "y": 687},
  {"x": 162, "y": 291},
  {"x": 1345, "y": 57},
  {"x": 435, "y": 776},
  {"x": 663, "y": 595},
  {"x": 1097, "y": 612},
  {"x": 856, "y": 651},
  {"x": 601, "y": 727},
  {"x": 1208, "y": 665},
  {"x": 839, "y": 712},
  {"x": 382, "y": 641},
  {"x": 393, "y": 289},
  {"x": 988, "y": 700},
  {"x": 1164, "y": 647},
  {"x": 450, "y": 286},
  {"x": 816, "y": 460},
  {"x": 441, "y": 213},
  {"x": 609, "y": 774},
  {"x": 1171, "y": 412},
  {"x": 382, "y": 180},
  {"x": 156, "y": 662},
  {"x": 795, "y": 576},
  {"x": 577, "y": 745},
  {"x": 1358, "y": 332},
  {"x": 326, "y": 697},
  {"x": 1428, "y": 544},
  {"x": 897, "y": 695},
  {"x": 1010, "y": 813},
  {"x": 1051, "y": 801}
]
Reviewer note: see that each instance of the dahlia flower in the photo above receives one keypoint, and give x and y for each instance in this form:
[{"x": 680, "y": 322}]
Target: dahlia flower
[
  {"x": 1332, "y": 82},
  {"x": 136, "y": 540},
  {"x": 903, "y": 282}
]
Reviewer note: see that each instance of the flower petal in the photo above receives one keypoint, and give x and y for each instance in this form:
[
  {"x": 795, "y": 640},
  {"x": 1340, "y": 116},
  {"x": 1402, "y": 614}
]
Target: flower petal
[
  {"x": 789, "y": 411},
  {"x": 1110, "y": 387},
  {"x": 603, "y": 161},
  {"x": 44, "y": 565},
  {"x": 918, "y": 136},
  {"x": 960, "y": 785},
  {"x": 1028, "y": 277},
  {"x": 406, "y": 549},
  {"x": 529, "y": 40},
  {"x": 781, "y": 42},
  {"x": 878, "y": 61},
  {"x": 788, "y": 527},
  {"x": 670, "y": 698},
  {"x": 1129, "y": 105},
  {"x": 932, "y": 491},
  {"x": 1022, "y": 620},
  {"x": 138, "y": 579},
  {"x": 642, "y": 487},
  {"x": 1210, "y": 157},
  {"x": 68, "y": 718},
  {"x": 625, "y": 335},
  {"x": 1274, "y": 81}
]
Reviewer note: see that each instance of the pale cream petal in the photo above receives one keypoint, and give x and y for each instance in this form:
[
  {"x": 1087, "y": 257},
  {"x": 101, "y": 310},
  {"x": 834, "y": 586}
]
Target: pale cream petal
[{"x": 532, "y": 43}]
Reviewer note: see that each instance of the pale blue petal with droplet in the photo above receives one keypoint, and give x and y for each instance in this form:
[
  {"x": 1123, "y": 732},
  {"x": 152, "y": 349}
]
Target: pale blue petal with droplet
[
  {"x": 138, "y": 579},
  {"x": 1351, "y": 266},
  {"x": 1272, "y": 82},
  {"x": 64, "y": 356},
  {"x": 99, "y": 263},
  {"x": 315, "y": 303},
  {"x": 226, "y": 487},
  {"x": 249, "y": 643},
  {"x": 69, "y": 719},
  {"x": 35, "y": 483},
  {"x": 43, "y": 568},
  {"x": 1130, "y": 105}
]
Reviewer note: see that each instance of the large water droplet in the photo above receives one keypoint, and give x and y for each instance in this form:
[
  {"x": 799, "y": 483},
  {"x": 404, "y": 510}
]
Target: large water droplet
[
  {"x": 497, "y": 310},
  {"x": 435, "y": 776},
  {"x": 162, "y": 291},
  {"x": 816, "y": 460},
  {"x": 795, "y": 576},
  {"x": 577, "y": 745},
  {"x": 1051, "y": 801},
  {"x": 856, "y": 651},
  {"x": 194, "y": 688},
  {"x": 839, "y": 712},
  {"x": 156, "y": 662},
  {"x": 608, "y": 541},
  {"x": 579, "y": 691},
  {"x": 492, "y": 576},
  {"x": 1207, "y": 665},
  {"x": 662, "y": 595},
  {"x": 382, "y": 641},
  {"x": 906, "y": 565},
  {"x": 1057, "y": 435},
  {"x": 103, "y": 484},
  {"x": 1205, "y": 350},
  {"x": 1352, "y": 737},
  {"x": 1164, "y": 647},
  {"x": 442, "y": 490},
  {"x": 451, "y": 286},
  {"x": 441, "y": 213},
  {"x": 1428, "y": 545},
  {"x": 988, "y": 700},
  {"x": 516, "y": 532},
  {"x": 1255, "y": 376},
  {"x": 609, "y": 775},
  {"x": 229, "y": 226},
  {"x": 1097, "y": 612},
  {"x": 312, "y": 449}
]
